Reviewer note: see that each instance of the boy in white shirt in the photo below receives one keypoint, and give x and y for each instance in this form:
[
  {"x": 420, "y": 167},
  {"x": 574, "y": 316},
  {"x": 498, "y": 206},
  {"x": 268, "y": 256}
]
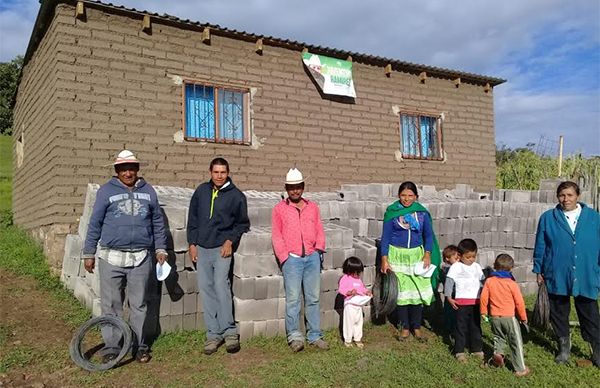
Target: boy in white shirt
[{"x": 465, "y": 279}]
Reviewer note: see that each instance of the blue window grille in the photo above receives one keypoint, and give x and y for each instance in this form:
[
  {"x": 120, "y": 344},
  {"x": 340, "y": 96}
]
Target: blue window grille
[
  {"x": 420, "y": 136},
  {"x": 215, "y": 114}
]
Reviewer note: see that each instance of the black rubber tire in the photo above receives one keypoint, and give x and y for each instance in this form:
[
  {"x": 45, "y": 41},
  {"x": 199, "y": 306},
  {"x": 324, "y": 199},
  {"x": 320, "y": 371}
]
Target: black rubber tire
[
  {"x": 75, "y": 346},
  {"x": 385, "y": 293}
]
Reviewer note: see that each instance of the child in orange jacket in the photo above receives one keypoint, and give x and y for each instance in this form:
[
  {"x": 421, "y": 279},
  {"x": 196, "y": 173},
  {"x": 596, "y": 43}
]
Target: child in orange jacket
[{"x": 502, "y": 298}]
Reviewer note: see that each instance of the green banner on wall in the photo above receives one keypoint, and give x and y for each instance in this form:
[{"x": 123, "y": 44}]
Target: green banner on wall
[{"x": 334, "y": 76}]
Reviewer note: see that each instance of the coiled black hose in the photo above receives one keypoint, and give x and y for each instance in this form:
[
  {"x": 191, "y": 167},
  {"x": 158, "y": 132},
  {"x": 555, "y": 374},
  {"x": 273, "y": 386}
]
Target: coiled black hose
[
  {"x": 79, "y": 357},
  {"x": 385, "y": 293}
]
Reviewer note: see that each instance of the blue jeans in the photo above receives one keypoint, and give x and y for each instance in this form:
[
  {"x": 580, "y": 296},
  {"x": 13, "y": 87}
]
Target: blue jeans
[
  {"x": 302, "y": 273},
  {"x": 215, "y": 289}
]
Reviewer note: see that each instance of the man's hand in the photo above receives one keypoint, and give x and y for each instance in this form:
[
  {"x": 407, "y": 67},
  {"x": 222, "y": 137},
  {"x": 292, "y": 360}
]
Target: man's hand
[
  {"x": 89, "y": 264},
  {"x": 161, "y": 257},
  {"x": 193, "y": 252},
  {"x": 385, "y": 267},
  {"x": 226, "y": 249},
  {"x": 540, "y": 279},
  {"x": 452, "y": 303}
]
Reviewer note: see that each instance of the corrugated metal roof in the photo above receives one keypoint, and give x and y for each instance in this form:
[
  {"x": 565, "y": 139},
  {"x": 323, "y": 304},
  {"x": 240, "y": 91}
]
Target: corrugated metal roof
[{"x": 47, "y": 11}]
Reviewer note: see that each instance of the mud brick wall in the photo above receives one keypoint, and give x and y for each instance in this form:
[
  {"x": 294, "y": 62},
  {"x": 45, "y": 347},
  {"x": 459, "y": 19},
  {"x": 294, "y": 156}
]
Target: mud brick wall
[
  {"x": 97, "y": 86},
  {"x": 352, "y": 218}
]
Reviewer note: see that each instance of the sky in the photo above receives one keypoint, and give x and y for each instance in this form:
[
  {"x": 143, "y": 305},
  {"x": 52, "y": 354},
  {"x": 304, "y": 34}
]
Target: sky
[{"x": 547, "y": 50}]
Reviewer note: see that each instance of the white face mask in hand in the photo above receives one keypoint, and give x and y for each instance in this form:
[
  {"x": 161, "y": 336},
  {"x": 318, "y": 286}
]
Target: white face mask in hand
[{"x": 162, "y": 271}]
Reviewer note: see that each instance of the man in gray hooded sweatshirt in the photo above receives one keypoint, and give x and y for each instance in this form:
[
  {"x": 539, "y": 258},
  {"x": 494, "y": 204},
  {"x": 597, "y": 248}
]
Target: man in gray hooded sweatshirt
[{"x": 128, "y": 226}]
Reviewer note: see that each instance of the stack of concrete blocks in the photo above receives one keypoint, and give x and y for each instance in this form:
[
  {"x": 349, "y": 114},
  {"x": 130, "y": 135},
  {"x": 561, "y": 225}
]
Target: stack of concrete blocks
[{"x": 352, "y": 219}]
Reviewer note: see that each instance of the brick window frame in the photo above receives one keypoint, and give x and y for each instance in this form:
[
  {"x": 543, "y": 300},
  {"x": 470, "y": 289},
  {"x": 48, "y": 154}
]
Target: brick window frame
[
  {"x": 214, "y": 133},
  {"x": 414, "y": 143}
]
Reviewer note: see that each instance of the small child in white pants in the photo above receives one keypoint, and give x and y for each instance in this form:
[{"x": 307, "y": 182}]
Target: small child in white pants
[{"x": 355, "y": 295}]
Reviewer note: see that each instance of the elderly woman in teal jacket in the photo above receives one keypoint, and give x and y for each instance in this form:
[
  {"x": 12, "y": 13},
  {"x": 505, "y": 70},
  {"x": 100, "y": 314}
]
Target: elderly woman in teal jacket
[{"x": 567, "y": 259}]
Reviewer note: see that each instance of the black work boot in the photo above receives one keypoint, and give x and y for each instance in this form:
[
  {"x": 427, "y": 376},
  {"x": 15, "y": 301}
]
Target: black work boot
[
  {"x": 596, "y": 354},
  {"x": 564, "y": 350}
]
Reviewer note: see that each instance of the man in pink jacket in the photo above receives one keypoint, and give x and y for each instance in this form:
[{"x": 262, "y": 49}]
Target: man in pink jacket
[{"x": 299, "y": 241}]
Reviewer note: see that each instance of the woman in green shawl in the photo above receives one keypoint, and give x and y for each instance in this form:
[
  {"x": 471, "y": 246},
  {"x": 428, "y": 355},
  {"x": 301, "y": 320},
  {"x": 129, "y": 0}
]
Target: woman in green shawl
[{"x": 408, "y": 239}]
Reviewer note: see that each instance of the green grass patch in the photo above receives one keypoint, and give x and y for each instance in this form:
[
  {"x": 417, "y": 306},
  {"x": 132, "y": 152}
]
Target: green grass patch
[{"x": 21, "y": 255}]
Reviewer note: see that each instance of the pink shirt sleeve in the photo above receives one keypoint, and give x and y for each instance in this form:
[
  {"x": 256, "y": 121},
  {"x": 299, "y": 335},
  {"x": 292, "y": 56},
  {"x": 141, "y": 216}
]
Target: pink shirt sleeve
[
  {"x": 277, "y": 235},
  {"x": 320, "y": 237}
]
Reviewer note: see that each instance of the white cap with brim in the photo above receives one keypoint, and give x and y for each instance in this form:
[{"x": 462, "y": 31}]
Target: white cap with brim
[
  {"x": 162, "y": 271},
  {"x": 125, "y": 157},
  {"x": 293, "y": 177},
  {"x": 420, "y": 270}
]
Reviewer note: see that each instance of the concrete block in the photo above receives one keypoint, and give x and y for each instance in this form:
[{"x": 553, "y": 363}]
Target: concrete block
[
  {"x": 176, "y": 322},
  {"x": 371, "y": 210},
  {"x": 369, "y": 275},
  {"x": 380, "y": 190},
  {"x": 272, "y": 327},
  {"x": 165, "y": 323},
  {"x": 243, "y": 288},
  {"x": 190, "y": 303},
  {"x": 327, "y": 300},
  {"x": 340, "y": 255},
  {"x": 365, "y": 252},
  {"x": 93, "y": 280},
  {"x": 189, "y": 321},
  {"x": 521, "y": 196},
  {"x": 330, "y": 279},
  {"x": 165, "y": 305},
  {"x": 179, "y": 259},
  {"x": 260, "y": 328},
  {"x": 90, "y": 198},
  {"x": 96, "y": 307},
  {"x": 255, "y": 265},
  {"x": 275, "y": 287},
  {"x": 246, "y": 330},
  {"x": 175, "y": 217},
  {"x": 356, "y": 209},
  {"x": 327, "y": 262},
  {"x": 255, "y": 310},
  {"x": 261, "y": 287},
  {"x": 530, "y": 240},
  {"x": 177, "y": 307},
  {"x": 333, "y": 237},
  {"x": 375, "y": 228},
  {"x": 180, "y": 243},
  {"x": 324, "y": 210}
]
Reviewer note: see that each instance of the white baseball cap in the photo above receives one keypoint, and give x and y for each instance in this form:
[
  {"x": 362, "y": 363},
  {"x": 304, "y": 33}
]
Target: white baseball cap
[
  {"x": 162, "y": 271},
  {"x": 420, "y": 270},
  {"x": 293, "y": 177}
]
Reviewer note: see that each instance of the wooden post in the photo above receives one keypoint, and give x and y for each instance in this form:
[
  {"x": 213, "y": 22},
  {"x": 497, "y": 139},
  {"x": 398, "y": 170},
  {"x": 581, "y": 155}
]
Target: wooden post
[
  {"x": 80, "y": 10},
  {"x": 560, "y": 155},
  {"x": 146, "y": 24},
  {"x": 259, "y": 46},
  {"x": 388, "y": 70},
  {"x": 206, "y": 35}
]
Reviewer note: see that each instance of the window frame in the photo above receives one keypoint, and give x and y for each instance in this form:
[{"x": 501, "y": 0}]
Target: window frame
[
  {"x": 439, "y": 119},
  {"x": 247, "y": 133}
]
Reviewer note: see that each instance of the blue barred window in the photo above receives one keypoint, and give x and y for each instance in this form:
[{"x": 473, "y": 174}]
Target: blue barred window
[
  {"x": 420, "y": 136},
  {"x": 216, "y": 114}
]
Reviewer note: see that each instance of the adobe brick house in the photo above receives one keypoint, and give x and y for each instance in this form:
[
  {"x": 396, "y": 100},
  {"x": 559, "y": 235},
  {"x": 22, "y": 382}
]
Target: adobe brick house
[{"x": 98, "y": 78}]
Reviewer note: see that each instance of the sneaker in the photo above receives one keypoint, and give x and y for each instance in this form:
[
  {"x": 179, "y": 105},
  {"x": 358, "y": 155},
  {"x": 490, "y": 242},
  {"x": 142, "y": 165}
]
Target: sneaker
[
  {"x": 348, "y": 344},
  {"x": 360, "y": 345},
  {"x": 320, "y": 344},
  {"x": 297, "y": 346},
  {"x": 143, "y": 356},
  {"x": 497, "y": 360},
  {"x": 232, "y": 344},
  {"x": 211, "y": 346},
  {"x": 479, "y": 355},
  {"x": 460, "y": 357},
  {"x": 523, "y": 373}
]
